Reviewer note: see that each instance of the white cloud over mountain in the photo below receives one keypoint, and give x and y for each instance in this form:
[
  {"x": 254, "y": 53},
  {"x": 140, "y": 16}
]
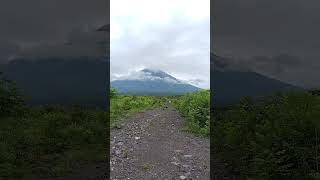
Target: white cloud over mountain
[{"x": 173, "y": 36}]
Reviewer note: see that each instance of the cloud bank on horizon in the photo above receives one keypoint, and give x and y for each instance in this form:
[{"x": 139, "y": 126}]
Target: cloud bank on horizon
[
  {"x": 173, "y": 36},
  {"x": 143, "y": 75},
  {"x": 279, "y": 39},
  {"x": 40, "y": 29}
]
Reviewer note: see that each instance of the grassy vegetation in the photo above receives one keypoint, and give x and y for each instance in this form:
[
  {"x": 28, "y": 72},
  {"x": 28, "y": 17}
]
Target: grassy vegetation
[
  {"x": 195, "y": 107},
  {"x": 47, "y": 141},
  {"x": 122, "y": 106},
  {"x": 277, "y": 138}
]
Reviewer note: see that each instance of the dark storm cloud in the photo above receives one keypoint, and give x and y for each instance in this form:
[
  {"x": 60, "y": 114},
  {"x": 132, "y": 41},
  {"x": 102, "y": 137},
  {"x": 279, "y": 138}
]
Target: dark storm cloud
[
  {"x": 29, "y": 25},
  {"x": 277, "y": 37}
]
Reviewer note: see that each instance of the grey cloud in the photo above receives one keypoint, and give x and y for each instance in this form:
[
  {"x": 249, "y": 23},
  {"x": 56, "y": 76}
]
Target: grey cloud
[
  {"x": 181, "y": 50},
  {"x": 140, "y": 75},
  {"x": 7, "y": 50},
  {"x": 195, "y": 81},
  {"x": 266, "y": 26},
  {"x": 90, "y": 43},
  {"x": 228, "y": 64},
  {"x": 46, "y": 22},
  {"x": 258, "y": 32}
]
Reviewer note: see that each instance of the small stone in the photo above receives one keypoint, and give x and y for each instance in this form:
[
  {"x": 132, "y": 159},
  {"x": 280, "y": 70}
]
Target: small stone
[
  {"x": 136, "y": 138},
  {"x": 187, "y": 156},
  {"x": 120, "y": 143},
  {"x": 183, "y": 177},
  {"x": 178, "y": 151},
  {"x": 118, "y": 152},
  {"x": 185, "y": 169},
  {"x": 175, "y": 163}
]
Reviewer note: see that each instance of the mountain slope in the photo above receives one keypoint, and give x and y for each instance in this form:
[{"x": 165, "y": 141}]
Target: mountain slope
[
  {"x": 230, "y": 84},
  {"x": 81, "y": 80},
  {"x": 153, "y": 82}
]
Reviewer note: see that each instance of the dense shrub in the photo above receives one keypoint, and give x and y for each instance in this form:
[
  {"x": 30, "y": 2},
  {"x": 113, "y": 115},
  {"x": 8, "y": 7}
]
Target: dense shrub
[
  {"x": 113, "y": 93},
  {"x": 45, "y": 143},
  {"x": 195, "y": 107},
  {"x": 124, "y": 105},
  {"x": 11, "y": 102},
  {"x": 37, "y": 143},
  {"x": 274, "y": 139}
]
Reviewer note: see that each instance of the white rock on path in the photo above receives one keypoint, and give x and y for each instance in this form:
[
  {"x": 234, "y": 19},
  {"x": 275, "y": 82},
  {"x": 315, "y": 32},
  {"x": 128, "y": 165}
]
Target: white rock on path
[
  {"x": 187, "y": 156},
  {"x": 136, "y": 138},
  {"x": 175, "y": 163}
]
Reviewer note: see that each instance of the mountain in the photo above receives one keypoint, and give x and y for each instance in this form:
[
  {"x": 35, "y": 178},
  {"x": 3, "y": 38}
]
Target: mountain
[
  {"x": 152, "y": 82},
  {"x": 104, "y": 28},
  {"x": 230, "y": 83},
  {"x": 84, "y": 80},
  {"x": 56, "y": 80}
]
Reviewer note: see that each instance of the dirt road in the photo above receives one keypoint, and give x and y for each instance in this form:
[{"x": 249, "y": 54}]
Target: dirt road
[{"x": 152, "y": 145}]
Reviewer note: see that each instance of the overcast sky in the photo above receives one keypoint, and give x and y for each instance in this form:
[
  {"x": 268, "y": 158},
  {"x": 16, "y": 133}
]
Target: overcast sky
[
  {"x": 173, "y": 36},
  {"x": 42, "y": 28},
  {"x": 278, "y": 38}
]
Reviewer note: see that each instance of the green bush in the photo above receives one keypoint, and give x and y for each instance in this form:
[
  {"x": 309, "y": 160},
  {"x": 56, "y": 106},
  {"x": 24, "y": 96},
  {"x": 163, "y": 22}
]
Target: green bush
[
  {"x": 274, "y": 139},
  {"x": 45, "y": 141},
  {"x": 195, "y": 107},
  {"x": 38, "y": 143},
  {"x": 11, "y": 102},
  {"x": 113, "y": 93},
  {"x": 123, "y": 105}
]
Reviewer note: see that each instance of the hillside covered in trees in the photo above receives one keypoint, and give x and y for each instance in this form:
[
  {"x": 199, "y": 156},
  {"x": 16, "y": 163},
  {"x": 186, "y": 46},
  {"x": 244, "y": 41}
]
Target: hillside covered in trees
[{"x": 275, "y": 138}]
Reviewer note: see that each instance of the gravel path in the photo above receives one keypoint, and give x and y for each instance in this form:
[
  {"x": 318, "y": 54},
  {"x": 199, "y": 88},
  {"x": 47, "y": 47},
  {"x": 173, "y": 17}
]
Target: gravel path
[{"x": 152, "y": 146}]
